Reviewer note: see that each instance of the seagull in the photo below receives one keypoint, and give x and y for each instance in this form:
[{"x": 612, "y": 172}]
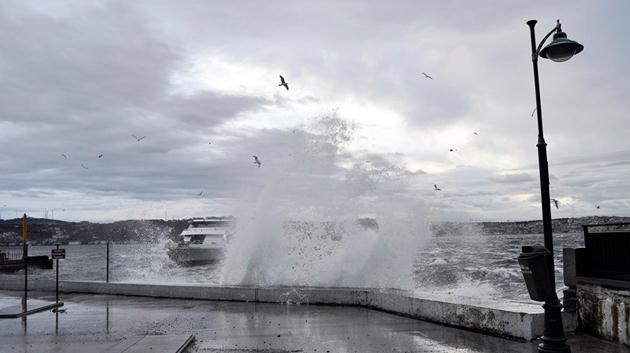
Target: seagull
[
  {"x": 435, "y": 187},
  {"x": 64, "y": 155},
  {"x": 100, "y": 155},
  {"x": 427, "y": 76},
  {"x": 283, "y": 83},
  {"x": 200, "y": 193},
  {"x": 474, "y": 132},
  {"x": 138, "y": 139},
  {"x": 533, "y": 111},
  {"x": 555, "y": 202},
  {"x": 453, "y": 150},
  {"x": 256, "y": 160},
  {"x": 83, "y": 166}
]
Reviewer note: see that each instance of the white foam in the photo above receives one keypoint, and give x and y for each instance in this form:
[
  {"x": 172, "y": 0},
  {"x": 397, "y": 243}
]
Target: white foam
[
  {"x": 300, "y": 227},
  {"x": 438, "y": 261}
]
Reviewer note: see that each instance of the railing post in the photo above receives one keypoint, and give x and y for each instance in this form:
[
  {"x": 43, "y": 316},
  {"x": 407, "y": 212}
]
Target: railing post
[
  {"x": 25, "y": 259},
  {"x": 57, "y": 279},
  {"x": 107, "y": 265},
  {"x": 25, "y": 255}
]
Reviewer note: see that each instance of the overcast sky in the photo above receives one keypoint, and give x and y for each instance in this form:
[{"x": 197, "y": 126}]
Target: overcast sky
[{"x": 200, "y": 80}]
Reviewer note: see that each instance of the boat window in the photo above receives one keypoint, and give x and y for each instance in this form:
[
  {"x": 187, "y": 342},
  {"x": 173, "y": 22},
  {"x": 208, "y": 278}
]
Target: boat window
[
  {"x": 211, "y": 224},
  {"x": 197, "y": 238},
  {"x": 220, "y": 224}
]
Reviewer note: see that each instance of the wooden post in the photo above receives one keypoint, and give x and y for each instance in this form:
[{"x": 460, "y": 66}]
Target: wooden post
[{"x": 24, "y": 230}]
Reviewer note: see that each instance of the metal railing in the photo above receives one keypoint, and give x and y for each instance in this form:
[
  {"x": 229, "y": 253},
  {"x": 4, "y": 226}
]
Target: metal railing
[
  {"x": 607, "y": 251},
  {"x": 616, "y": 226},
  {"x": 96, "y": 260},
  {"x": 8, "y": 254}
]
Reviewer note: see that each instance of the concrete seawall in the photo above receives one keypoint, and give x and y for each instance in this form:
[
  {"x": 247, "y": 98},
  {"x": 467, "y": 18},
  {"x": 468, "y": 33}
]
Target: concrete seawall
[
  {"x": 604, "y": 311},
  {"x": 512, "y": 320}
]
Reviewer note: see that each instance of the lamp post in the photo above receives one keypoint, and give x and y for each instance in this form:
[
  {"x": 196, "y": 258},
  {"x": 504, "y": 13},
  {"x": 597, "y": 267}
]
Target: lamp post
[{"x": 560, "y": 49}]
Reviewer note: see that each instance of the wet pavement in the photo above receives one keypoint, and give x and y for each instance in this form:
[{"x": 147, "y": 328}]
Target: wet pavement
[{"x": 100, "y": 323}]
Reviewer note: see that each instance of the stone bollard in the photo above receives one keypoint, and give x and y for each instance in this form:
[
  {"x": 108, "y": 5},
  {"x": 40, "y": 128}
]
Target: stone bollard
[
  {"x": 569, "y": 300},
  {"x": 569, "y": 297}
]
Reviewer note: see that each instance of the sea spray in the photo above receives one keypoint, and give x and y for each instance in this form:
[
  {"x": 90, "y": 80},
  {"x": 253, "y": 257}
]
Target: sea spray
[
  {"x": 152, "y": 263},
  {"x": 301, "y": 226}
]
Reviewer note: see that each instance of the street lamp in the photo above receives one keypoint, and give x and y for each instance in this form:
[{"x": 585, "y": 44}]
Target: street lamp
[{"x": 560, "y": 49}]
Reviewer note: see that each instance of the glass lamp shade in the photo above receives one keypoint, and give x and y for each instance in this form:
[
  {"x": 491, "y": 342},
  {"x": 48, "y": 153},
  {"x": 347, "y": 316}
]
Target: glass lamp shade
[{"x": 561, "y": 48}]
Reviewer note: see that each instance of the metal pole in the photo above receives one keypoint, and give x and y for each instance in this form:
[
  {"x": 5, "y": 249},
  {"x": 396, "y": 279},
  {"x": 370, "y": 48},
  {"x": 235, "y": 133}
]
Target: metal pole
[
  {"x": 25, "y": 259},
  {"x": 57, "y": 280},
  {"x": 107, "y": 317},
  {"x": 25, "y": 255},
  {"x": 553, "y": 339},
  {"x": 107, "y": 265},
  {"x": 543, "y": 166}
]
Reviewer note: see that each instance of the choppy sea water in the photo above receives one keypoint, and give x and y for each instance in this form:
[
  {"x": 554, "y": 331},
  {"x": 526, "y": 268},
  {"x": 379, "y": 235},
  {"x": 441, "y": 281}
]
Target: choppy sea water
[{"x": 481, "y": 266}]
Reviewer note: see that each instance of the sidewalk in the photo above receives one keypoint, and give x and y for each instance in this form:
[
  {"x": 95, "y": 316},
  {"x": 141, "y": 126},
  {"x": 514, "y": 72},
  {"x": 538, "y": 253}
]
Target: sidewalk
[{"x": 99, "y": 323}]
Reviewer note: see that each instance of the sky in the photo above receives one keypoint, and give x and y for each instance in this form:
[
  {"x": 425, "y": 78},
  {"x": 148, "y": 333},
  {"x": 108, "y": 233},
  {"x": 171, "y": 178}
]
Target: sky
[{"x": 199, "y": 81}]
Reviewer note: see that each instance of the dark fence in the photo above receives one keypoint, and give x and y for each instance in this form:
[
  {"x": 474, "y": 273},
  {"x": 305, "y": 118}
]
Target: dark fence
[
  {"x": 606, "y": 251},
  {"x": 10, "y": 253},
  {"x": 82, "y": 262},
  {"x": 11, "y": 259}
]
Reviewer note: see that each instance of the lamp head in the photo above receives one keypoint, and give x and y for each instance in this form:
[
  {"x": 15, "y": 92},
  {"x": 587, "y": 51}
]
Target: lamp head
[{"x": 561, "y": 48}]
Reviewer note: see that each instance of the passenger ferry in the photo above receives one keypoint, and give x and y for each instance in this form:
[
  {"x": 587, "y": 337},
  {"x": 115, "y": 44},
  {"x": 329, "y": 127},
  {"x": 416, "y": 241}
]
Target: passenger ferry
[{"x": 203, "y": 242}]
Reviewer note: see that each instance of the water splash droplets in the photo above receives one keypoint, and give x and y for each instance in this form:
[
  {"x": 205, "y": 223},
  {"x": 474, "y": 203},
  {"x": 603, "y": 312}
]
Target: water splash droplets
[{"x": 302, "y": 227}]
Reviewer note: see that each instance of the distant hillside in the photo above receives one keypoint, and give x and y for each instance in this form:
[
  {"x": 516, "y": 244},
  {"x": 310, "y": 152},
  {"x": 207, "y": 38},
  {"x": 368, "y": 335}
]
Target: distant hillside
[
  {"x": 560, "y": 225},
  {"x": 48, "y": 231}
]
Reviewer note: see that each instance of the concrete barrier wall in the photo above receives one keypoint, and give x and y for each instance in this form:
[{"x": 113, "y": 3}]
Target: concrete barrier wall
[
  {"x": 604, "y": 312},
  {"x": 512, "y": 320},
  {"x": 523, "y": 321}
]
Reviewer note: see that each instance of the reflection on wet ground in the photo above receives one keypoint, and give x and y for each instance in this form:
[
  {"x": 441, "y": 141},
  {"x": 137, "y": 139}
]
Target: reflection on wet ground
[{"x": 96, "y": 323}]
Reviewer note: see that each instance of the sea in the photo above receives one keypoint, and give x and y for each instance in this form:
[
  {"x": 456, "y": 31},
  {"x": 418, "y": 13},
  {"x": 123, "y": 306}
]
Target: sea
[{"x": 470, "y": 265}]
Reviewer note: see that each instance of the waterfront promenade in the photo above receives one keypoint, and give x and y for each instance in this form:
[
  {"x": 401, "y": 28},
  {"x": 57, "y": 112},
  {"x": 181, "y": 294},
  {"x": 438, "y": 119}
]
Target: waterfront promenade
[{"x": 106, "y": 323}]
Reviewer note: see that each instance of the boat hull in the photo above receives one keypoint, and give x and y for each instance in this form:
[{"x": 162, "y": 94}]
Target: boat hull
[{"x": 196, "y": 256}]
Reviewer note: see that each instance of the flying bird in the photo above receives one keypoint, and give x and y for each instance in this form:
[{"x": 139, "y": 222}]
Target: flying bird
[
  {"x": 435, "y": 187},
  {"x": 427, "y": 76},
  {"x": 200, "y": 193},
  {"x": 83, "y": 166},
  {"x": 64, "y": 155},
  {"x": 453, "y": 150},
  {"x": 256, "y": 160},
  {"x": 100, "y": 155},
  {"x": 597, "y": 207},
  {"x": 283, "y": 83},
  {"x": 555, "y": 202},
  {"x": 534, "y": 111},
  {"x": 138, "y": 139},
  {"x": 475, "y": 132}
]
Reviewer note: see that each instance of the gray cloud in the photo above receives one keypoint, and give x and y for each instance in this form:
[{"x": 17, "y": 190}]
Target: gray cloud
[
  {"x": 63, "y": 71},
  {"x": 512, "y": 178},
  {"x": 80, "y": 78},
  {"x": 83, "y": 87}
]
